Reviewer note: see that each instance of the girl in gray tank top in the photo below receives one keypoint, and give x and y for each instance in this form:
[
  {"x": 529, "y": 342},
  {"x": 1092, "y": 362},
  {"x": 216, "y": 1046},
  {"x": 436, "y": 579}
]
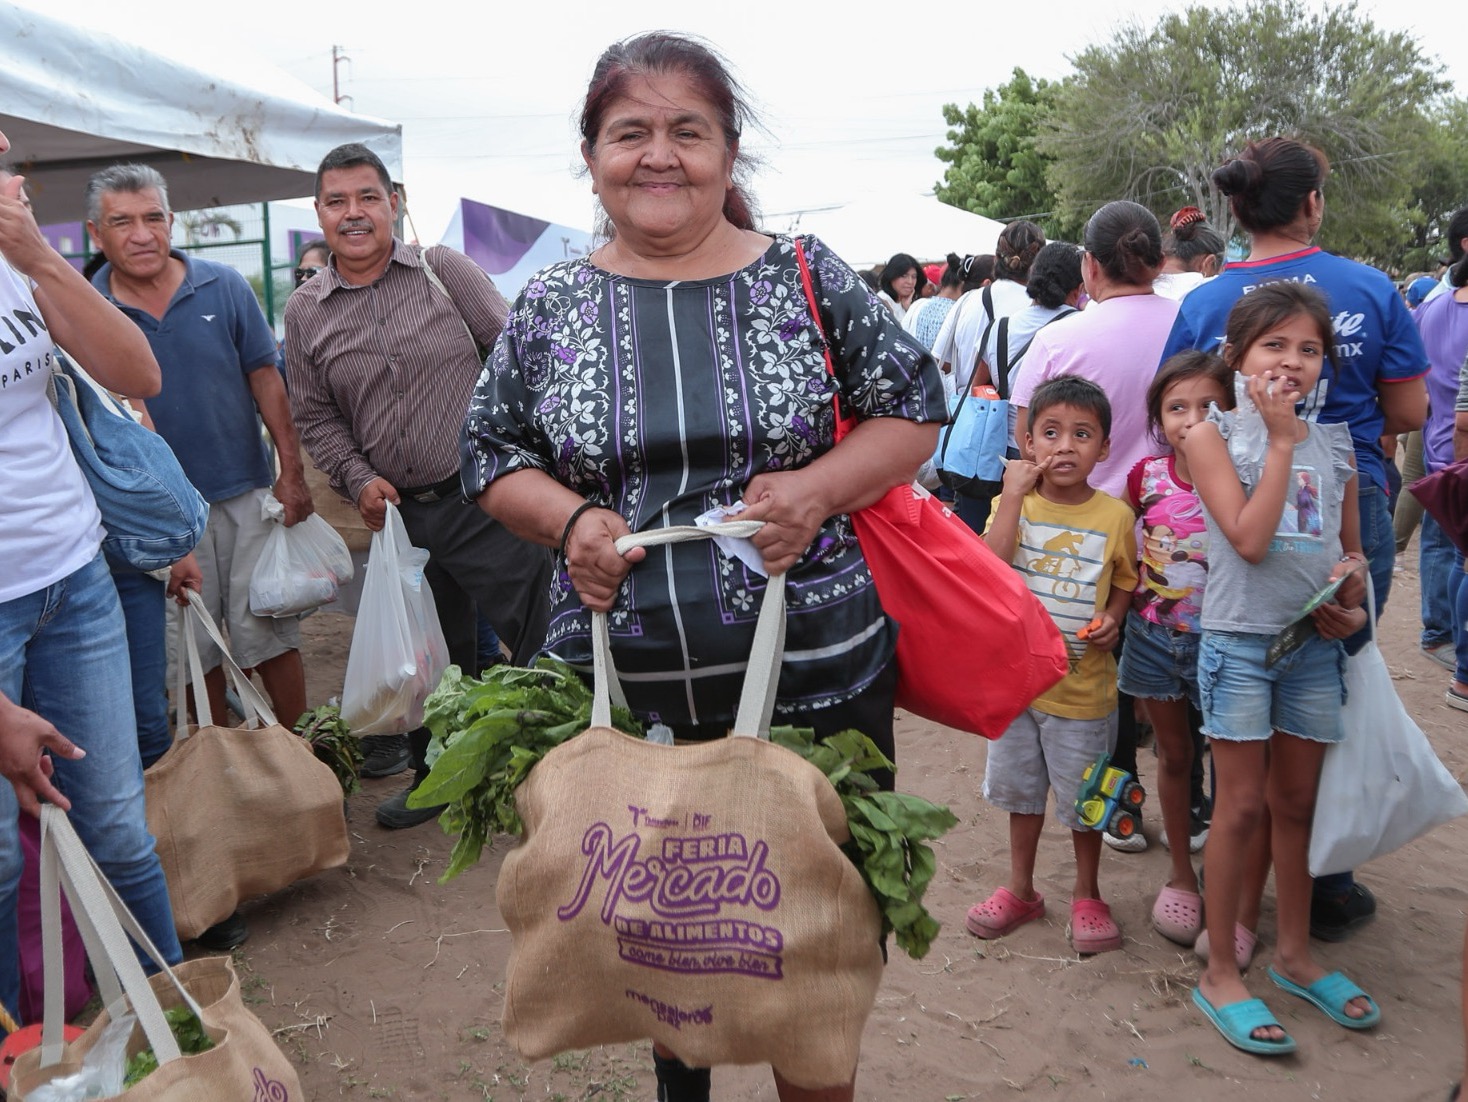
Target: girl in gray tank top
[{"x": 1279, "y": 498}]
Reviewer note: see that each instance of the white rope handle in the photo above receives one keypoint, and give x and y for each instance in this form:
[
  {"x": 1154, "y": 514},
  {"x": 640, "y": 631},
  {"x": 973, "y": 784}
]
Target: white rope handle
[
  {"x": 101, "y": 918},
  {"x": 757, "y": 698},
  {"x": 257, "y": 709}
]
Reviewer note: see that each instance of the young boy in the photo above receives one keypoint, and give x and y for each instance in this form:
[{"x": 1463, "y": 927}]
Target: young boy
[{"x": 1077, "y": 550}]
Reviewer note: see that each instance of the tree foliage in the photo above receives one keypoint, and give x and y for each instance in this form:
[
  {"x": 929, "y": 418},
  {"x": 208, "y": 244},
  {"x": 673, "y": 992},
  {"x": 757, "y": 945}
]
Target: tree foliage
[
  {"x": 1151, "y": 113},
  {"x": 994, "y": 167}
]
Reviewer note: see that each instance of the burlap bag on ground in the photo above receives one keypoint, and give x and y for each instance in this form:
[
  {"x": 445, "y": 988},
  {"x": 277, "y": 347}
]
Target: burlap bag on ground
[
  {"x": 693, "y": 895},
  {"x": 245, "y": 1064},
  {"x": 238, "y": 813}
]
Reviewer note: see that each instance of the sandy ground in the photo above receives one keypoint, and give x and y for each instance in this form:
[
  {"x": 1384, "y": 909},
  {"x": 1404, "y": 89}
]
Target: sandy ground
[{"x": 383, "y": 984}]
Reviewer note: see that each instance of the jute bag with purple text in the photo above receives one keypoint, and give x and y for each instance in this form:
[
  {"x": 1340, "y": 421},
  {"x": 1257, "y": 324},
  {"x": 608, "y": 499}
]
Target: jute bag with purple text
[{"x": 691, "y": 895}]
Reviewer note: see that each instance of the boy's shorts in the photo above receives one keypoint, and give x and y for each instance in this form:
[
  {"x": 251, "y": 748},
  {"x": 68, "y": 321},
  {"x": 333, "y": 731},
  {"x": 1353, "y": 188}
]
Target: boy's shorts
[
  {"x": 1039, "y": 752},
  {"x": 1302, "y": 694},
  {"x": 1158, "y": 663}
]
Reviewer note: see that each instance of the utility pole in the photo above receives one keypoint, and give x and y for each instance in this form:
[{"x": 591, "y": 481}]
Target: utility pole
[{"x": 338, "y": 55}]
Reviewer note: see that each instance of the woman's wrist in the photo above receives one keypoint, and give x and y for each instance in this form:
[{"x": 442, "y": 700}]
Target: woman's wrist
[{"x": 571, "y": 524}]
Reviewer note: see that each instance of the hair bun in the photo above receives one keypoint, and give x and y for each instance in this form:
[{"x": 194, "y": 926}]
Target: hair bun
[
  {"x": 1186, "y": 217},
  {"x": 1238, "y": 176}
]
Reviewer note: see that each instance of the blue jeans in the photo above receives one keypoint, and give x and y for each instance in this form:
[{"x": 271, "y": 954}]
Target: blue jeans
[
  {"x": 63, "y": 654},
  {"x": 145, "y": 612},
  {"x": 1436, "y": 555},
  {"x": 1379, "y": 544}
]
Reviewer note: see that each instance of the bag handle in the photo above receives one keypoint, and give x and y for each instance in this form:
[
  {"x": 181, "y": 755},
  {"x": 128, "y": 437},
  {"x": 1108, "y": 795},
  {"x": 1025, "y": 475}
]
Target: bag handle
[
  {"x": 757, "y": 698},
  {"x": 102, "y": 918},
  {"x": 257, "y": 709},
  {"x": 438, "y": 284},
  {"x": 1005, "y": 363},
  {"x": 844, "y": 424}
]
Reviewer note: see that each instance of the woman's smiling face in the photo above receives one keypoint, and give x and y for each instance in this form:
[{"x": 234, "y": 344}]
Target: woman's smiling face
[{"x": 661, "y": 163}]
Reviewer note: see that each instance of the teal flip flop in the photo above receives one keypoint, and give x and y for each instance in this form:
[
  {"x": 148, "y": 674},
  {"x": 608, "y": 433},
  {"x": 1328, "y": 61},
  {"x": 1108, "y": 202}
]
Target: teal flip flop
[
  {"x": 1329, "y": 994},
  {"x": 1237, "y": 1022}
]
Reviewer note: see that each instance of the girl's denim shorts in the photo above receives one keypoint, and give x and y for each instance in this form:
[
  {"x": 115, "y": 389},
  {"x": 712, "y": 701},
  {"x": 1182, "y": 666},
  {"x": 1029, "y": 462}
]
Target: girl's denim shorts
[
  {"x": 1302, "y": 694},
  {"x": 1158, "y": 663}
]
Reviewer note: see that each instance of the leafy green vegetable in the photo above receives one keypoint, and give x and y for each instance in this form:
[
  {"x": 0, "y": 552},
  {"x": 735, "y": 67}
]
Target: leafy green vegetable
[
  {"x": 488, "y": 734},
  {"x": 889, "y": 831},
  {"x": 187, "y": 1030},
  {"x": 334, "y": 744}
]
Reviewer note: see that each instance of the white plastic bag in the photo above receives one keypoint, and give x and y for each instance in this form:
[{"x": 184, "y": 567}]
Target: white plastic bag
[
  {"x": 103, "y": 1071},
  {"x": 398, "y": 651},
  {"x": 1381, "y": 786},
  {"x": 300, "y": 567}
]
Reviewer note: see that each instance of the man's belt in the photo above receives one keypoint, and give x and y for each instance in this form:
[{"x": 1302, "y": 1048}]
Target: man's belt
[{"x": 427, "y": 495}]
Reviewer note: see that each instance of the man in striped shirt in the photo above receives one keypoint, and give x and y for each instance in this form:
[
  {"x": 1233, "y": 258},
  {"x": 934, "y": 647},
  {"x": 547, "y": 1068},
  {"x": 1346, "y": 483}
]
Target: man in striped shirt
[{"x": 383, "y": 348}]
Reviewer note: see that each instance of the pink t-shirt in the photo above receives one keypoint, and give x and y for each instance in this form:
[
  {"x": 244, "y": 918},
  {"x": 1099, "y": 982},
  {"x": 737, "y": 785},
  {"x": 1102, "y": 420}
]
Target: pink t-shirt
[
  {"x": 1116, "y": 344},
  {"x": 1174, "y": 547}
]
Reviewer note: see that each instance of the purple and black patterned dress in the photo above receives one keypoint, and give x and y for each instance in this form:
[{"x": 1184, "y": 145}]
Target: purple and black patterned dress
[{"x": 663, "y": 399}]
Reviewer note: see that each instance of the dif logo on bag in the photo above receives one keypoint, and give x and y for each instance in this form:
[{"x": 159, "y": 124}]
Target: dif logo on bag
[{"x": 689, "y": 899}]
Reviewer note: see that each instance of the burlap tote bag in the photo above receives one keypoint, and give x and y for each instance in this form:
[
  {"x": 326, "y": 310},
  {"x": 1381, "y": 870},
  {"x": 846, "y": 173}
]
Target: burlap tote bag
[
  {"x": 692, "y": 895},
  {"x": 245, "y": 1064},
  {"x": 237, "y": 812}
]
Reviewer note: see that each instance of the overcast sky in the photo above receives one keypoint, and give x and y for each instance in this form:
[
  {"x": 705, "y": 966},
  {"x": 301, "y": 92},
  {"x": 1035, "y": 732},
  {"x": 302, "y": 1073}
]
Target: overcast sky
[{"x": 487, "y": 93}]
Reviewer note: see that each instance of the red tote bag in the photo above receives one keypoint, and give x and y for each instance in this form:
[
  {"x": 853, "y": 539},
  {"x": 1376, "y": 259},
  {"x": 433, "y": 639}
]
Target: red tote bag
[{"x": 951, "y": 596}]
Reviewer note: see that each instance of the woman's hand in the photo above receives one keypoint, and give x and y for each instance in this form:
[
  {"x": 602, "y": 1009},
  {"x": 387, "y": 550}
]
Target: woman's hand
[
  {"x": 595, "y": 568},
  {"x": 793, "y": 509}
]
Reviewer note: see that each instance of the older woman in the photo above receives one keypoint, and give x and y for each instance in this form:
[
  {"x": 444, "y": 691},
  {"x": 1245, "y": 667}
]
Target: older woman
[
  {"x": 901, "y": 284},
  {"x": 63, "y": 652},
  {"x": 1276, "y": 192},
  {"x": 677, "y": 369}
]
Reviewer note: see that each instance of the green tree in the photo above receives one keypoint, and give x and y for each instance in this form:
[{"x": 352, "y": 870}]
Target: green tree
[
  {"x": 994, "y": 167},
  {"x": 1150, "y": 115},
  {"x": 1433, "y": 173}
]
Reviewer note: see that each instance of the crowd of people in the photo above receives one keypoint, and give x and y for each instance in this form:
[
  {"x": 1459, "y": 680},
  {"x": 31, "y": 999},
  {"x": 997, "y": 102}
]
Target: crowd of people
[{"x": 1232, "y": 414}]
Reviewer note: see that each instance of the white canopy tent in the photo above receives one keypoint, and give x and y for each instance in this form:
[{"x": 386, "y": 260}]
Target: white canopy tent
[
  {"x": 868, "y": 231},
  {"x": 73, "y": 100}
]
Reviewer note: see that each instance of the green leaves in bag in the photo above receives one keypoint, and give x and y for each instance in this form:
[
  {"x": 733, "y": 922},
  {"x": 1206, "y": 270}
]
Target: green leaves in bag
[
  {"x": 488, "y": 734},
  {"x": 889, "y": 831}
]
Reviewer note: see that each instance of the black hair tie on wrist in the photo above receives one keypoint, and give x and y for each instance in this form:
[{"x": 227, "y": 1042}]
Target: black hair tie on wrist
[{"x": 571, "y": 523}]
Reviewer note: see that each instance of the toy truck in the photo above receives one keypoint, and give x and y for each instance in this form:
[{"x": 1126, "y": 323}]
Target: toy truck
[{"x": 1110, "y": 799}]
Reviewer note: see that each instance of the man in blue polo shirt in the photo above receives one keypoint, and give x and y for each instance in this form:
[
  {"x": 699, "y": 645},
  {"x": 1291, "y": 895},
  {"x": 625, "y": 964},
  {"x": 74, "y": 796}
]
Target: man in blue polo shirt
[{"x": 218, "y": 356}]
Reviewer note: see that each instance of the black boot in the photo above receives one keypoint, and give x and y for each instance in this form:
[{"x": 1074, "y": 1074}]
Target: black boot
[{"x": 677, "y": 1082}]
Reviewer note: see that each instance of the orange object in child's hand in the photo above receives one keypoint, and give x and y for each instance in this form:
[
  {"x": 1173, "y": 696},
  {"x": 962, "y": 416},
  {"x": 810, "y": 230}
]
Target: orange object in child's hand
[{"x": 1085, "y": 632}]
